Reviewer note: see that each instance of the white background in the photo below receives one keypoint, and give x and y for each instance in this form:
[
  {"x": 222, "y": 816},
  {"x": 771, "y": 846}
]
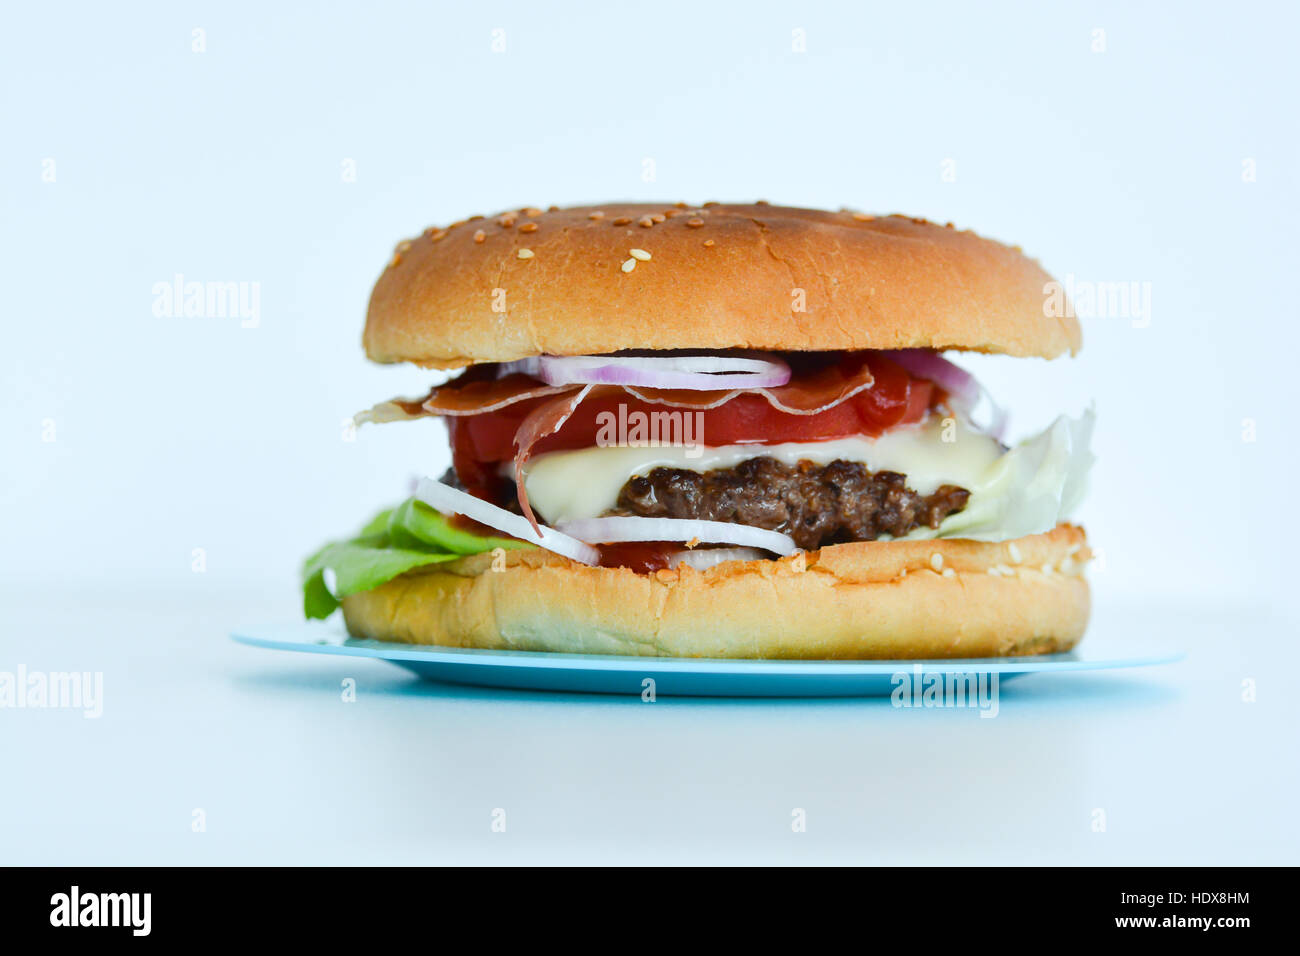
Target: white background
[{"x": 176, "y": 434}]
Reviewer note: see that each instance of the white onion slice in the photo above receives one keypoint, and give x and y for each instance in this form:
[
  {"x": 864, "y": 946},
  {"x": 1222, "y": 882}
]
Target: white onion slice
[
  {"x": 689, "y": 372},
  {"x": 632, "y": 528},
  {"x": 449, "y": 500},
  {"x": 704, "y": 558}
]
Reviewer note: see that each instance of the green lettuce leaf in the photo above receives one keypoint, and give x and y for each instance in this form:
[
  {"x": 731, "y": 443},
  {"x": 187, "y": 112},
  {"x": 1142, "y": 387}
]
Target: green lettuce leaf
[
  {"x": 395, "y": 541},
  {"x": 413, "y": 524}
]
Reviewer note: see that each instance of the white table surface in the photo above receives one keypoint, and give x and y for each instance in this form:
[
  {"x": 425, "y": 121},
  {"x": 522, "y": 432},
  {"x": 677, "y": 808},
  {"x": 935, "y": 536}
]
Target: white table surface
[{"x": 285, "y": 771}]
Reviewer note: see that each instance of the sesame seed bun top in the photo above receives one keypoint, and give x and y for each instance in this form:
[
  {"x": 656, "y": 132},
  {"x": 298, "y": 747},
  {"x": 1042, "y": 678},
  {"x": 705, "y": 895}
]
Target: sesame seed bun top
[{"x": 595, "y": 279}]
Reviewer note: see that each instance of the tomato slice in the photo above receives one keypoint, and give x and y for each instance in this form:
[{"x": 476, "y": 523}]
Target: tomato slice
[
  {"x": 643, "y": 557},
  {"x": 481, "y": 442}
]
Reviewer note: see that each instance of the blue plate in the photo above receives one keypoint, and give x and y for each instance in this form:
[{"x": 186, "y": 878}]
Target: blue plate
[{"x": 698, "y": 677}]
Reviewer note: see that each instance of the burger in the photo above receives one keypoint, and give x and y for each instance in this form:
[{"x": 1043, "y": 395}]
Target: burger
[{"x": 723, "y": 431}]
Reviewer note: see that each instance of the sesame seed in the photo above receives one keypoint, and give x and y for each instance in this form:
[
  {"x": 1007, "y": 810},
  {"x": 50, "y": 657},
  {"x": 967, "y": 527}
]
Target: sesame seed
[
  {"x": 531, "y": 211},
  {"x": 475, "y": 218},
  {"x": 595, "y": 215},
  {"x": 695, "y": 223},
  {"x": 669, "y": 213},
  {"x": 761, "y": 202},
  {"x": 629, "y": 265},
  {"x": 936, "y": 561},
  {"x": 525, "y": 253},
  {"x": 1014, "y": 552},
  {"x": 404, "y": 245},
  {"x": 645, "y": 222},
  {"x": 639, "y": 254},
  {"x": 863, "y": 217},
  {"x": 437, "y": 234},
  {"x": 680, "y": 205},
  {"x": 397, "y": 257},
  {"x": 949, "y": 573},
  {"x": 708, "y": 243},
  {"x": 1048, "y": 569},
  {"x": 480, "y": 235},
  {"x": 506, "y": 221},
  {"x": 528, "y": 227},
  {"x": 658, "y": 217},
  {"x": 622, "y": 221},
  {"x": 458, "y": 222},
  {"x": 552, "y": 208},
  {"x": 711, "y": 202}
]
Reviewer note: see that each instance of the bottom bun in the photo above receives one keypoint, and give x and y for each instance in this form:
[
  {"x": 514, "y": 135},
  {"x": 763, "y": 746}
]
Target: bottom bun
[{"x": 874, "y": 599}]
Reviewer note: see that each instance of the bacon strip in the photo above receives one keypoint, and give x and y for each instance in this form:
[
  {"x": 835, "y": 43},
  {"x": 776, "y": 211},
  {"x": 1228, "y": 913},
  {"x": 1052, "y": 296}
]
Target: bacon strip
[
  {"x": 462, "y": 397},
  {"x": 544, "y": 420},
  {"x": 488, "y": 395},
  {"x": 805, "y": 394}
]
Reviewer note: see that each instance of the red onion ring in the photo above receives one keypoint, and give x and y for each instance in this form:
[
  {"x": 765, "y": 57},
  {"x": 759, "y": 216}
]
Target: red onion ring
[
  {"x": 953, "y": 379},
  {"x": 705, "y": 373},
  {"x": 965, "y": 390}
]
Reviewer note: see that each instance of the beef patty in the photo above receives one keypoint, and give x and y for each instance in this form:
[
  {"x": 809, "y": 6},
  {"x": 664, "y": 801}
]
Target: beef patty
[{"x": 813, "y": 504}]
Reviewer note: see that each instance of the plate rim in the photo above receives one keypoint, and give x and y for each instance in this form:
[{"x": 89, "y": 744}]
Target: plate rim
[{"x": 551, "y": 660}]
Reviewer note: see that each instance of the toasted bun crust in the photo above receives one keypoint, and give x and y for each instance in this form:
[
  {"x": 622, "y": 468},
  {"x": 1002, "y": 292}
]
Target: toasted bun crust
[
  {"x": 720, "y": 276},
  {"x": 881, "y": 600}
]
